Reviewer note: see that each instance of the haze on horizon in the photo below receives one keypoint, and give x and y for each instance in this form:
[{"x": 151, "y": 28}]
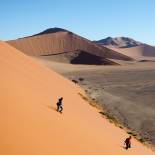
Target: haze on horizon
[{"x": 95, "y": 20}]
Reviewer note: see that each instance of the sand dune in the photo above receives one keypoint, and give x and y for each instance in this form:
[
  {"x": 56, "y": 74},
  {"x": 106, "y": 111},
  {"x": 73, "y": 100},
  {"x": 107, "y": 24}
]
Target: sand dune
[
  {"x": 129, "y": 47},
  {"x": 142, "y": 52},
  {"x": 55, "y": 41},
  {"x": 31, "y": 126}
]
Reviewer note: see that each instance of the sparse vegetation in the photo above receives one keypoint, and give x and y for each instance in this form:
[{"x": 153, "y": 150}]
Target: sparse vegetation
[
  {"x": 142, "y": 140},
  {"x": 112, "y": 119},
  {"x": 120, "y": 127},
  {"x": 132, "y": 133},
  {"x": 105, "y": 113},
  {"x": 91, "y": 101},
  {"x": 75, "y": 81},
  {"x": 81, "y": 79}
]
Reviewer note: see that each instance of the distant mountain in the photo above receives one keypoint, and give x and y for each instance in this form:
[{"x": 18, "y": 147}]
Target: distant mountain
[
  {"x": 120, "y": 42},
  {"x": 129, "y": 47},
  {"x": 54, "y": 42}
]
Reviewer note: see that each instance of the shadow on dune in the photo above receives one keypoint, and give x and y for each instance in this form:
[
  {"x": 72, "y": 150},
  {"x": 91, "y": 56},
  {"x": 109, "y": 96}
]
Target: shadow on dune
[
  {"x": 52, "y": 108},
  {"x": 87, "y": 58}
]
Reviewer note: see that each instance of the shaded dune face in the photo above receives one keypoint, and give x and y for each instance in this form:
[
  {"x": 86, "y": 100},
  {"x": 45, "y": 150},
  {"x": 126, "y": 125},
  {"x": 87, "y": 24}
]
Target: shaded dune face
[
  {"x": 55, "y": 42},
  {"x": 86, "y": 58},
  {"x": 78, "y": 57}
]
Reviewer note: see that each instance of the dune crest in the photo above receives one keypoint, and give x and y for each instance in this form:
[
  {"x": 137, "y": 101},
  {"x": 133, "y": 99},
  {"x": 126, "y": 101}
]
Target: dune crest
[{"x": 56, "y": 41}]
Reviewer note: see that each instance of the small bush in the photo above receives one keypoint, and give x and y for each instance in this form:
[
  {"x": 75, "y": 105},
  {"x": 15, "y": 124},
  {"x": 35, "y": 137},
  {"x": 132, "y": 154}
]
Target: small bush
[
  {"x": 109, "y": 116},
  {"x": 142, "y": 140},
  {"x": 131, "y": 133},
  {"x": 120, "y": 127},
  {"x": 75, "y": 81},
  {"x": 81, "y": 79}
]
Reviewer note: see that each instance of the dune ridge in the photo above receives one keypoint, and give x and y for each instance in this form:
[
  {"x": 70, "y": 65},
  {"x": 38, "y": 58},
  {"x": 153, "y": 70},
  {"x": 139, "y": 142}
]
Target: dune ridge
[
  {"x": 129, "y": 47},
  {"x": 31, "y": 126},
  {"x": 141, "y": 52},
  {"x": 119, "y": 42},
  {"x": 62, "y": 41}
]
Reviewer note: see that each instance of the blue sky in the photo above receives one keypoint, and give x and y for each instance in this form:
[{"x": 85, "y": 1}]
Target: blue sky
[{"x": 93, "y": 19}]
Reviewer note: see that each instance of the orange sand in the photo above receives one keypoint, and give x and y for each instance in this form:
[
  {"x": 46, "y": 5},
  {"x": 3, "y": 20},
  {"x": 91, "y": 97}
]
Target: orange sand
[{"x": 31, "y": 126}]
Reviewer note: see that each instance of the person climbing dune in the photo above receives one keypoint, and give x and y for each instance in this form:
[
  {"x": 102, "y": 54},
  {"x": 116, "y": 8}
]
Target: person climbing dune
[
  {"x": 59, "y": 105},
  {"x": 127, "y": 142}
]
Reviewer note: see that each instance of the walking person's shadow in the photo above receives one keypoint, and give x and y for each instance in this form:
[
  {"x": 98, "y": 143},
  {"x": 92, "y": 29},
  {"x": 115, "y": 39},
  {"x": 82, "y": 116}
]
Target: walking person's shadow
[{"x": 52, "y": 108}]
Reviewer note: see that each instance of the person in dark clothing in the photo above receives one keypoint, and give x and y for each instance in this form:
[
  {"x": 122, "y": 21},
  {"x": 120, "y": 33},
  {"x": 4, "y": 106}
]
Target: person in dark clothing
[
  {"x": 127, "y": 142},
  {"x": 59, "y": 105}
]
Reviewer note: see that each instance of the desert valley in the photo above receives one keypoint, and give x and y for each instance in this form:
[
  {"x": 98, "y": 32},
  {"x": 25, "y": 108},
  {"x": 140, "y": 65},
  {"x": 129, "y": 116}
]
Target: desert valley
[{"x": 115, "y": 74}]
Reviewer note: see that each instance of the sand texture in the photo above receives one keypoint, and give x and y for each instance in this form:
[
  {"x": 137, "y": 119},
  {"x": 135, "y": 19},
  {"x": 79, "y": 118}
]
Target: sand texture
[
  {"x": 141, "y": 53},
  {"x": 31, "y": 126},
  {"x": 61, "y": 42},
  {"x": 126, "y": 91}
]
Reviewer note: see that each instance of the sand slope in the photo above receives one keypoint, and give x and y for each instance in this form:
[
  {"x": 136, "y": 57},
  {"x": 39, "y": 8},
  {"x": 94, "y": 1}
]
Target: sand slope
[
  {"x": 129, "y": 47},
  {"x": 31, "y": 126},
  {"x": 142, "y": 52},
  {"x": 54, "y": 42}
]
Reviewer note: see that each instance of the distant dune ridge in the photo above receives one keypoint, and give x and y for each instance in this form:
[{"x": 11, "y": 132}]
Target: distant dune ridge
[
  {"x": 119, "y": 42},
  {"x": 56, "y": 40},
  {"x": 141, "y": 52},
  {"x": 30, "y": 124},
  {"x": 129, "y": 47}
]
